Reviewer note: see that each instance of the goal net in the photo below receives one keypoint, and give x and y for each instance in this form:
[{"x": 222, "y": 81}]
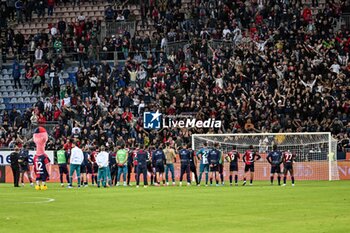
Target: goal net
[{"x": 315, "y": 152}]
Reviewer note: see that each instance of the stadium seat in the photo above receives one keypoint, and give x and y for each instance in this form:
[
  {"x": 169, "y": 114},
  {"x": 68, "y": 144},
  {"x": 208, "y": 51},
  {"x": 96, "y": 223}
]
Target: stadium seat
[
  {"x": 1, "y": 100},
  {"x": 34, "y": 100},
  {"x": 6, "y": 76},
  {"x": 2, "y": 106},
  {"x": 9, "y": 88},
  {"x": 8, "y": 106},
  {"x": 5, "y": 94},
  {"x": 26, "y": 100},
  {"x": 20, "y": 100},
  {"x": 13, "y": 100},
  {"x": 4, "y": 71},
  {"x": 3, "y": 88},
  {"x": 8, "y": 82},
  {"x": 9, "y": 71},
  {"x": 12, "y": 94},
  {"x": 6, "y": 100},
  {"x": 2, "y": 82}
]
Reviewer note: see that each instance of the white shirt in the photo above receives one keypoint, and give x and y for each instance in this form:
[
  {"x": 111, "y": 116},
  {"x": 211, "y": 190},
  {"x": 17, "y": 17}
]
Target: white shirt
[
  {"x": 102, "y": 159},
  {"x": 335, "y": 68},
  {"x": 76, "y": 156},
  {"x": 38, "y": 54}
]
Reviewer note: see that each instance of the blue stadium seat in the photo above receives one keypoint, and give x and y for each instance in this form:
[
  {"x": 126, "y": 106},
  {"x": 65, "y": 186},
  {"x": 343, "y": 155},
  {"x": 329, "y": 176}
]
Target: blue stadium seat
[
  {"x": 7, "y": 100},
  {"x": 8, "y": 106}
]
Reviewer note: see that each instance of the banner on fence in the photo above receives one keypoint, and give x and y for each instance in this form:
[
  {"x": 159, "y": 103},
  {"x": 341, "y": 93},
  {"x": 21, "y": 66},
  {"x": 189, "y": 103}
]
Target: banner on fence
[
  {"x": 316, "y": 170},
  {"x": 5, "y": 157}
]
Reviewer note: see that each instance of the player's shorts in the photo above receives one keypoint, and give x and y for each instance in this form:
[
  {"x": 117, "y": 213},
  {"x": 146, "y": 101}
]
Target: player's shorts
[
  {"x": 114, "y": 170},
  {"x": 42, "y": 177},
  {"x": 149, "y": 168},
  {"x": 214, "y": 168},
  {"x": 24, "y": 168},
  {"x": 233, "y": 167},
  {"x": 89, "y": 168},
  {"x": 193, "y": 168},
  {"x": 288, "y": 167},
  {"x": 95, "y": 168},
  {"x": 249, "y": 167},
  {"x": 275, "y": 169},
  {"x": 160, "y": 168},
  {"x": 83, "y": 169},
  {"x": 63, "y": 168},
  {"x": 221, "y": 168},
  {"x": 135, "y": 169},
  {"x": 203, "y": 167}
]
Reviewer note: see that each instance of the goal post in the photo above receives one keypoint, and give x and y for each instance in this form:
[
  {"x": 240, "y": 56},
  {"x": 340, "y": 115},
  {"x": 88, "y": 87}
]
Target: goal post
[{"x": 316, "y": 153}]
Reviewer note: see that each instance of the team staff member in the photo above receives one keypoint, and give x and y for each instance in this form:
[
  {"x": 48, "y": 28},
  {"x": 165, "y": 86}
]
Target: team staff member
[
  {"x": 249, "y": 158},
  {"x": 131, "y": 162},
  {"x": 170, "y": 157},
  {"x": 14, "y": 156},
  {"x": 76, "y": 159},
  {"x": 185, "y": 155},
  {"x": 102, "y": 163},
  {"x": 62, "y": 158},
  {"x": 24, "y": 164}
]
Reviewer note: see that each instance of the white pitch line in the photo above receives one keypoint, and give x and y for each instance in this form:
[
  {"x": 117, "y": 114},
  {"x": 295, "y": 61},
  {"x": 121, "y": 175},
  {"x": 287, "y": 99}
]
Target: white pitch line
[{"x": 46, "y": 200}]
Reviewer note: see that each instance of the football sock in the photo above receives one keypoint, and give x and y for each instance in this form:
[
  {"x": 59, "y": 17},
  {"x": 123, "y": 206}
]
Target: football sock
[
  {"x": 211, "y": 180},
  {"x": 217, "y": 181},
  {"x": 151, "y": 179},
  {"x": 230, "y": 179},
  {"x": 206, "y": 178},
  {"x": 78, "y": 181},
  {"x": 222, "y": 177},
  {"x": 251, "y": 181},
  {"x": 292, "y": 179},
  {"x": 61, "y": 178},
  {"x": 67, "y": 177},
  {"x": 271, "y": 179},
  {"x": 279, "y": 180},
  {"x": 236, "y": 179},
  {"x": 284, "y": 179}
]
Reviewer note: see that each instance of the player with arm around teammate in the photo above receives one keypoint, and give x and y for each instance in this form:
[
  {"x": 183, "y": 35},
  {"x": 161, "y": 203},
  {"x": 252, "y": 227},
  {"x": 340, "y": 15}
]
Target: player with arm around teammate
[
  {"x": 232, "y": 157},
  {"x": 193, "y": 164},
  {"x": 158, "y": 161},
  {"x": 275, "y": 159},
  {"x": 249, "y": 158},
  {"x": 288, "y": 160},
  {"x": 214, "y": 160}
]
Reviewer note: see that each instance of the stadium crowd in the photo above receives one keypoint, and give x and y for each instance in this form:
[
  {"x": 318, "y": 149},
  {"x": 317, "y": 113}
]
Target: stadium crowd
[{"x": 277, "y": 68}]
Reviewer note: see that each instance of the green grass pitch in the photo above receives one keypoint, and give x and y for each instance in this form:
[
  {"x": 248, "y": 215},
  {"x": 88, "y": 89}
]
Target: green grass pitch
[{"x": 310, "y": 206}]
